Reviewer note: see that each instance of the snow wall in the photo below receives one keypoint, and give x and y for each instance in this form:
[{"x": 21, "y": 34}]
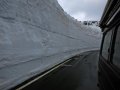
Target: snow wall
[{"x": 35, "y": 35}]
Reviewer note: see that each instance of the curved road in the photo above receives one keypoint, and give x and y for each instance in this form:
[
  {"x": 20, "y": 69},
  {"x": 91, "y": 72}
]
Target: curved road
[{"x": 78, "y": 74}]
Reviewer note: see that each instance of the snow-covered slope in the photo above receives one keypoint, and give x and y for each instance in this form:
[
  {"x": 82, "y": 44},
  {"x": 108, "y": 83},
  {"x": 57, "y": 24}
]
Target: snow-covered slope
[{"x": 35, "y": 35}]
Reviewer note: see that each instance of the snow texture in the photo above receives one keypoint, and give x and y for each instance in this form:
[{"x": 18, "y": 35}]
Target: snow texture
[{"x": 35, "y": 35}]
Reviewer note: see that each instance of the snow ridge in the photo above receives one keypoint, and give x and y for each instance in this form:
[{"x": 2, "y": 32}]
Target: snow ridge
[{"x": 35, "y": 35}]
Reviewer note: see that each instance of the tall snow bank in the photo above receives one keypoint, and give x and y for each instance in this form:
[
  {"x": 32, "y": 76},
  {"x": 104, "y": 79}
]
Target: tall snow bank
[{"x": 35, "y": 35}]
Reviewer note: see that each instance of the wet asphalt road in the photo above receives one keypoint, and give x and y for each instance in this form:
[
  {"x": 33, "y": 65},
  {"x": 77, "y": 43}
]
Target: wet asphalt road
[{"x": 78, "y": 74}]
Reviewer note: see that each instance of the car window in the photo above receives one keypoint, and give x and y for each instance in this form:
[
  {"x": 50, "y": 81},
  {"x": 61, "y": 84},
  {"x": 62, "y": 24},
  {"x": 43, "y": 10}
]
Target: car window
[
  {"x": 116, "y": 55},
  {"x": 106, "y": 44}
]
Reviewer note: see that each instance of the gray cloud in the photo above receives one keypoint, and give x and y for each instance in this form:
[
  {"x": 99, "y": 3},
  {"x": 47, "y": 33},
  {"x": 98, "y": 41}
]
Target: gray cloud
[{"x": 84, "y": 9}]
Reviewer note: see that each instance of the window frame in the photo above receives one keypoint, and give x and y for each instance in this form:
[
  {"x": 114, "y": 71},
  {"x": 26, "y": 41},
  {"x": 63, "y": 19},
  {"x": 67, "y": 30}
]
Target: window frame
[
  {"x": 113, "y": 47},
  {"x": 111, "y": 41}
]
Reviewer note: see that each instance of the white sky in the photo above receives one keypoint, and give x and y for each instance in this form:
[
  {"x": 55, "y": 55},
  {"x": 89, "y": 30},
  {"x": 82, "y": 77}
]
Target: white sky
[{"x": 84, "y": 9}]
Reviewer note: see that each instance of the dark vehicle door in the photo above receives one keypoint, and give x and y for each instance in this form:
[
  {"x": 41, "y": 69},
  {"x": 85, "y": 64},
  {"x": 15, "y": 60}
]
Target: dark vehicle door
[{"x": 109, "y": 63}]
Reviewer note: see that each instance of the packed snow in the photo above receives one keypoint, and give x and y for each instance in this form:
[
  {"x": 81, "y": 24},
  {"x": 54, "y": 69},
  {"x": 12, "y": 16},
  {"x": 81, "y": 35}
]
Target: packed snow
[{"x": 35, "y": 35}]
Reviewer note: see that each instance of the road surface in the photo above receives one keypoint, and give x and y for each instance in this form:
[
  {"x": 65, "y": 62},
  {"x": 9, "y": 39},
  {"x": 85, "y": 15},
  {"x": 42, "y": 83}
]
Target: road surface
[{"x": 78, "y": 74}]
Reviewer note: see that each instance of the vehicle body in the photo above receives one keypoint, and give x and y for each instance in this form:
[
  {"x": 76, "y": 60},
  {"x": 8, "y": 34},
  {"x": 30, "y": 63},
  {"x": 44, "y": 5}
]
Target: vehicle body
[{"x": 109, "y": 59}]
